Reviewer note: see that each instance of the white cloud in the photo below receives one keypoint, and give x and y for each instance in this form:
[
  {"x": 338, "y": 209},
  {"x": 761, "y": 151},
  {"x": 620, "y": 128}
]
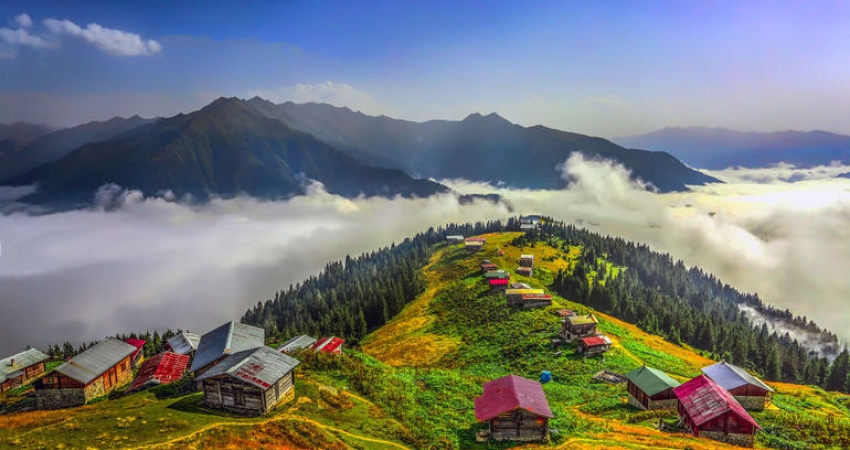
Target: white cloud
[
  {"x": 22, "y": 37},
  {"x": 154, "y": 263},
  {"x": 23, "y": 20},
  {"x": 109, "y": 40},
  {"x": 337, "y": 94}
]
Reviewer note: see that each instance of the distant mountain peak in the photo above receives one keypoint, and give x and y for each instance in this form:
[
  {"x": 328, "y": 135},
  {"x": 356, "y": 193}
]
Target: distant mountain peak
[{"x": 492, "y": 118}]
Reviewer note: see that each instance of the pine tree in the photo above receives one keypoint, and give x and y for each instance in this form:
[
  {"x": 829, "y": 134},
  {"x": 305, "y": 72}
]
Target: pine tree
[{"x": 837, "y": 378}]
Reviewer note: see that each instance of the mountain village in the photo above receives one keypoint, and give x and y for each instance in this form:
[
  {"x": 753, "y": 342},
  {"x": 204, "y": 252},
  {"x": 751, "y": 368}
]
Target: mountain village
[{"x": 238, "y": 373}]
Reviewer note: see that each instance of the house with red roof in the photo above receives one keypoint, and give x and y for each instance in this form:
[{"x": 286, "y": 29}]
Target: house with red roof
[
  {"x": 164, "y": 368},
  {"x": 592, "y": 345},
  {"x": 708, "y": 410},
  {"x": 515, "y": 409},
  {"x": 330, "y": 344},
  {"x": 498, "y": 284}
]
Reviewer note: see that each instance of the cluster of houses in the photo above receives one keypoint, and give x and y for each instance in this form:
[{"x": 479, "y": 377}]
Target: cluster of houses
[
  {"x": 528, "y": 223},
  {"x": 516, "y": 294},
  {"x": 712, "y": 405},
  {"x": 231, "y": 366}
]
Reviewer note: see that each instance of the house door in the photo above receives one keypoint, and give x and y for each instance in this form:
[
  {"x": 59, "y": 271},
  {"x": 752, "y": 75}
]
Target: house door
[{"x": 238, "y": 396}]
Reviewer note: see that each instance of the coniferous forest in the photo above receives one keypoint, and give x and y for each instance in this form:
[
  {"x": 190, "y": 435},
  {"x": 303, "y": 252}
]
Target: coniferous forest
[{"x": 662, "y": 296}]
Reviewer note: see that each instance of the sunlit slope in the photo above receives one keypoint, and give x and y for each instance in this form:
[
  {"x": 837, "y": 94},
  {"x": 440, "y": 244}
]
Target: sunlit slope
[
  {"x": 320, "y": 415},
  {"x": 455, "y": 326}
]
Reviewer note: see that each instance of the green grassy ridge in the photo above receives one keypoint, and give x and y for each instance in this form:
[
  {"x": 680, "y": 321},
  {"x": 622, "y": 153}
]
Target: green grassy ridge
[{"x": 432, "y": 407}]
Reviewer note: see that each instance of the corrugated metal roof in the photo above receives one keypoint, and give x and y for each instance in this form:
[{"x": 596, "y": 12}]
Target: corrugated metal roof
[
  {"x": 93, "y": 362},
  {"x": 526, "y": 256},
  {"x": 582, "y": 320},
  {"x": 704, "y": 400},
  {"x": 184, "y": 343},
  {"x": 520, "y": 286},
  {"x": 592, "y": 341},
  {"x": 509, "y": 393},
  {"x": 164, "y": 368},
  {"x": 730, "y": 376},
  {"x": 524, "y": 291},
  {"x": 227, "y": 339},
  {"x": 262, "y": 367},
  {"x": 498, "y": 281},
  {"x": 497, "y": 274},
  {"x": 23, "y": 360},
  {"x": 650, "y": 380},
  {"x": 330, "y": 344},
  {"x": 297, "y": 343},
  {"x": 536, "y": 297}
]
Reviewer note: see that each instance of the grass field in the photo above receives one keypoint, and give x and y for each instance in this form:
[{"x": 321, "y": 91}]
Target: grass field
[{"x": 413, "y": 382}]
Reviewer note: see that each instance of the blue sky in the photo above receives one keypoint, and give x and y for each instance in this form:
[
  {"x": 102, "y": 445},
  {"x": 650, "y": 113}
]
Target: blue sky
[{"x": 602, "y": 68}]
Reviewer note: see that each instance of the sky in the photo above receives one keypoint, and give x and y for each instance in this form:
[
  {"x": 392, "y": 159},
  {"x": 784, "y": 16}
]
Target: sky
[
  {"x": 153, "y": 263},
  {"x": 602, "y": 68}
]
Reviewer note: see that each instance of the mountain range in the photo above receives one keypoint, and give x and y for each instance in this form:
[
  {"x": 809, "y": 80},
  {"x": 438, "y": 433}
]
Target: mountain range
[
  {"x": 255, "y": 147},
  {"x": 719, "y": 148}
]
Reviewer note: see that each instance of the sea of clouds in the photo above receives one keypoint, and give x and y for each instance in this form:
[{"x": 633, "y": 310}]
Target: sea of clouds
[{"x": 137, "y": 263}]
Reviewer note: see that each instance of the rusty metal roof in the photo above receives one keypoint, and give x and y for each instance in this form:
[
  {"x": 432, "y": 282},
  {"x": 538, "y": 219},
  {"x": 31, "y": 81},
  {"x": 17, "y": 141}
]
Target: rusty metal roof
[
  {"x": 183, "y": 343},
  {"x": 93, "y": 362},
  {"x": 297, "y": 343},
  {"x": 22, "y": 360},
  {"x": 509, "y": 393},
  {"x": 227, "y": 339},
  {"x": 163, "y": 368},
  {"x": 262, "y": 367}
]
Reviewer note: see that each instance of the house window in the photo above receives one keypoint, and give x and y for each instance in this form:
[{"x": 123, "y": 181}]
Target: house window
[{"x": 123, "y": 366}]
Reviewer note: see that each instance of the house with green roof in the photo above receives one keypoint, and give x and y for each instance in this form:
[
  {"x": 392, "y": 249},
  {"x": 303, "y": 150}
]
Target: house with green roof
[{"x": 651, "y": 388}]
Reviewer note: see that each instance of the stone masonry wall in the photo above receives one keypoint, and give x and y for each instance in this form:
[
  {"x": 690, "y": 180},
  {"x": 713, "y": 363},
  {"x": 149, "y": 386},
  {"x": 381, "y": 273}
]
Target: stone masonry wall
[
  {"x": 743, "y": 440},
  {"x": 59, "y": 398}
]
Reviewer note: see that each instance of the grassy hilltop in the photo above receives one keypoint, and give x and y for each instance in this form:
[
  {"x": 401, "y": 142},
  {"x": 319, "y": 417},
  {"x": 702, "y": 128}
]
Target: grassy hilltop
[{"x": 412, "y": 383}]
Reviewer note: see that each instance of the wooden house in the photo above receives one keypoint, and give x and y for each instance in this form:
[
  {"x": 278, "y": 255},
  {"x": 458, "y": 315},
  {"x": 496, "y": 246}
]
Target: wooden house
[
  {"x": 708, "y": 410},
  {"x": 184, "y": 343},
  {"x": 526, "y": 261},
  {"x": 229, "y": 338},
  {"x": 297, "y": 343},
  {"x": 164, "y": 368},
  {"x": 487, "y": 267},
  {"x": 93, "y": 373},
  {"x": 138, "y": 355},
  {"x": 21, "y": 368},
  {"x": 474, "y": 246},
  {"x": 528, "y": 301},
  {"x": 498, "y": 284},
  {"x": 515, "y": 409},
  {"x": 593, "y": 345},
  {"x": 330, "y": 344},
  {"x": 250, "y": 382},
  {"x": 576, "y": 327},
  {"x": 526, "y": 271},
  {"x": 514, "y": 296},
  {"x": 497, "y": 274},
  {"x": 651, "y": 389},
  {"x": 751, "y": 392},
  {"x": 454, "y": 239}
]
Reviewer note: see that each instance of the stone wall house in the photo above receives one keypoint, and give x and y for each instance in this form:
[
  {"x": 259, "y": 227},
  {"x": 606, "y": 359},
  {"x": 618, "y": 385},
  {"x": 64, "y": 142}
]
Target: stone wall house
[
  {"x": 751, "y": 392},
  {"x": 93, "y": 373}
]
